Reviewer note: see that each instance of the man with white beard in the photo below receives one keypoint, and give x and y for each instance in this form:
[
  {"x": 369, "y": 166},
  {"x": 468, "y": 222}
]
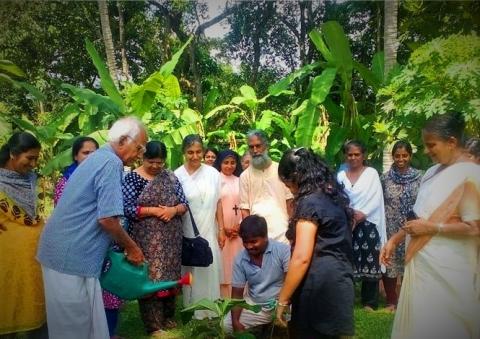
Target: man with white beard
[{"x": 261, "y": 191}]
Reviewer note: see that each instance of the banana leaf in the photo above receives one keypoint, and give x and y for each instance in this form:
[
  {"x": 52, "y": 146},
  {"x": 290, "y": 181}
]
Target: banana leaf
[
  {"x": 219, "y": 307},
  {"x": 106, "y": 80},
  {"x": 308, "y": 119}
]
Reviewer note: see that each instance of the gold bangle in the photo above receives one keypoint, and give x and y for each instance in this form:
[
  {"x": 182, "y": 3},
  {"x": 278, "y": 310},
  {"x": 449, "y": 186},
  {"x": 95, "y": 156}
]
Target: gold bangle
[{"x": 286, "y": 304}]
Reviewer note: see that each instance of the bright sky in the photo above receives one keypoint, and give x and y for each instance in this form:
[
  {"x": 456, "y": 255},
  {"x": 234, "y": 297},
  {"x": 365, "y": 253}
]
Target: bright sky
[{"x": 215, "y": 7}]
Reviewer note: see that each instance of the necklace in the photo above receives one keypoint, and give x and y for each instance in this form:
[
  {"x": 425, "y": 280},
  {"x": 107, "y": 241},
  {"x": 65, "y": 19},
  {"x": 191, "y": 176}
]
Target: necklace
[{"x": 354, "y": 176}]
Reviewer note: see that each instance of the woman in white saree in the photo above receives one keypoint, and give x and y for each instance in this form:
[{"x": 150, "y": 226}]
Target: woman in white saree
[
  {"x": 440, "y": 295},
  {"x": 201, "y": 185}
]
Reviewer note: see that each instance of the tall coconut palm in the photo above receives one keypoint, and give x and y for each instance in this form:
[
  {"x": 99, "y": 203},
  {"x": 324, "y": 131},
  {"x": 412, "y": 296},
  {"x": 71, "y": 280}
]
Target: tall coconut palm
[
  {"x": 121, "y": 32},
  {"x": 107, "y": 38},
  {"x": 390, "y": 47}
]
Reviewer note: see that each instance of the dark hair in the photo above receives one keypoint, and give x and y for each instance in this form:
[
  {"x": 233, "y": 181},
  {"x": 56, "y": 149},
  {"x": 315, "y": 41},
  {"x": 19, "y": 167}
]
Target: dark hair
[
  {"x": 354, "y": 143},
  {"x": 246, "y": 154},
  {"x": 445, "y": 126},
  {"x": 253, "y": 226},
  {"x": 311, "y": 174},
  {"x": 210, "y": 149},
  {"x": 224, "y": 155},
  {"x": 191, "y": 139},
  {"x": 259, "y": 134},
  {"x": 473, "y": 147},
  {"x": 402, "y": 144},
  {"x": 155, "y": 149},
  {"x": 78, "y": 144},
  {"x": 18, "y": 143}
]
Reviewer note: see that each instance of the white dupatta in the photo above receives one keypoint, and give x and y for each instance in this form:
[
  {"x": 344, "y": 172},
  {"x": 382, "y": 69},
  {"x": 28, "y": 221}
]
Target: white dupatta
[{"x": 366, "y": 195}]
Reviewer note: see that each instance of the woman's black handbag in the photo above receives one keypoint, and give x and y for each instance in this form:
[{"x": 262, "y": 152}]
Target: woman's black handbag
[{"x": 196, "y": 251}]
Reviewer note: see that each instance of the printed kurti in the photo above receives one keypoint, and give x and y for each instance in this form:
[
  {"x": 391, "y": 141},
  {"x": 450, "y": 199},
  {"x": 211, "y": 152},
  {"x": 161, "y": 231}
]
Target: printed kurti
[
  {"x": 161, "y": 242},
  {"x": 22, "y": 303},
  {"x": 366, "y": 196},
  {"x": 399, "y": 194}
]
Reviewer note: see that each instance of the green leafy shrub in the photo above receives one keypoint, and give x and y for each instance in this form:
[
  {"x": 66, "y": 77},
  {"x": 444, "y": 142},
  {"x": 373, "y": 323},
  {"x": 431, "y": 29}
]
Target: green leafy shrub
[{"x": 442, "y": 75}]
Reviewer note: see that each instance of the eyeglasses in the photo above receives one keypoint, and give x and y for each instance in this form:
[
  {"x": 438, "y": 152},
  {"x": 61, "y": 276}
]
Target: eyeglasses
[
  {"x": 140, "y": 148},
  {"x": 154, "y": 162}
]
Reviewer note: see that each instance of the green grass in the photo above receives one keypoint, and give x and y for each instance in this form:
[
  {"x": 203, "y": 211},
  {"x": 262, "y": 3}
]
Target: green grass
[{"x": 368, "y": 325}]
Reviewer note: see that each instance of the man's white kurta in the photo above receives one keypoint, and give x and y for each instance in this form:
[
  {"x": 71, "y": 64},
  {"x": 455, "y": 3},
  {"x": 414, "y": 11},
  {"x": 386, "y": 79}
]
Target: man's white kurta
[{"x": 262, "y": 193}]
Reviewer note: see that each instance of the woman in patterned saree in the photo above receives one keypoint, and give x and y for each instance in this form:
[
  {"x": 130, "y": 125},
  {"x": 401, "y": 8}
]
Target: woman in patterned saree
[
  {"x": 154, "y": 202},
  {"x": 21, "y": 288},
  {"x": 441, "y": 285}
]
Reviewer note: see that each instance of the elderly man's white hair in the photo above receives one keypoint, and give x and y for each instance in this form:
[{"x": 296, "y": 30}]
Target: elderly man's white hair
[{"x": 125, "y": 127}]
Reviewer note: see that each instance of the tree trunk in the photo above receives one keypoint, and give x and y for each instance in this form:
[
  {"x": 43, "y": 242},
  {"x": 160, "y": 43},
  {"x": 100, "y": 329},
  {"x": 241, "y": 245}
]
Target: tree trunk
[
  {"x": 196, "y": 77},
  {"x": 390, "y": 47},
  {"x": 266, "y": 11},
  {"x": 174, "y": 23},
  {"x": 379, "y": 27},
  {"x": 121, "y": 32},
  {"x": 310, "y": 25},
  {"x": 303, "y": 34},
  {"x": 390, "y": 40},
  {"x": 107, "y": 38},
  {"x": 256, "y": 56}
]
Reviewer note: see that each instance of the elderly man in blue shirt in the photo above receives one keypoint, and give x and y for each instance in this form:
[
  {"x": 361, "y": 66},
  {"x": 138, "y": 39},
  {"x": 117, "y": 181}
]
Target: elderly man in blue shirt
[
  {"x": 261, "y": 266},
  {"x": 75, "y": 239}
]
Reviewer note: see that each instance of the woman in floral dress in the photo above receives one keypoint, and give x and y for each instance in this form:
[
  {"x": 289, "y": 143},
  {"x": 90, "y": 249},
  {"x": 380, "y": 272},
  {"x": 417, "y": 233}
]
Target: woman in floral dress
[
  {"x": 400, "y": 186},
  {"x": 153, "y": 202}
]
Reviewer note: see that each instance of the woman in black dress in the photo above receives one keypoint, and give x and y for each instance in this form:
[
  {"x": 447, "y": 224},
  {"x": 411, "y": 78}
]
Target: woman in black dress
[{"x": 319, "y": 282}]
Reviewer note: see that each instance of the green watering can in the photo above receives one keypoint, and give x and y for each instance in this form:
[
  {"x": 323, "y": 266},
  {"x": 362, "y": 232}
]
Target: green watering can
[{"x": 129, "y": 282}]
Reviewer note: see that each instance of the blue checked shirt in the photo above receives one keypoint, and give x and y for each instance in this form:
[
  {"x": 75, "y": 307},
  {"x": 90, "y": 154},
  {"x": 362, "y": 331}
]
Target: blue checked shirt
[{"x": 73, "y": 242}]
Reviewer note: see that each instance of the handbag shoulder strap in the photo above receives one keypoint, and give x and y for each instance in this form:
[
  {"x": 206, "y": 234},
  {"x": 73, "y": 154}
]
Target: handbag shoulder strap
[{"x": 194, "y": 225}]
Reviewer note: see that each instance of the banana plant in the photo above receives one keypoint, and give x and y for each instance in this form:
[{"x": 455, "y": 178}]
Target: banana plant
[
  {"x": 213, "y": 328},
  {"x": 341, "y": 117},
  {"x": 245, "y": 112},
  {"x": 90, "y": 111}
]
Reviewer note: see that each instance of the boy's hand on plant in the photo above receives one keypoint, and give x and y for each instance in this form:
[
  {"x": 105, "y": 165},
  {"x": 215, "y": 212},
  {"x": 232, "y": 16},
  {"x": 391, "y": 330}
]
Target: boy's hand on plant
[{"x": 238, "y": 327}]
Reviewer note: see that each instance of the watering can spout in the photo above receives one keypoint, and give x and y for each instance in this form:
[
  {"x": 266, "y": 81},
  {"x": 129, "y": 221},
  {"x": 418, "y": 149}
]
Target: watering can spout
[{"x": 155, "y": 286}]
